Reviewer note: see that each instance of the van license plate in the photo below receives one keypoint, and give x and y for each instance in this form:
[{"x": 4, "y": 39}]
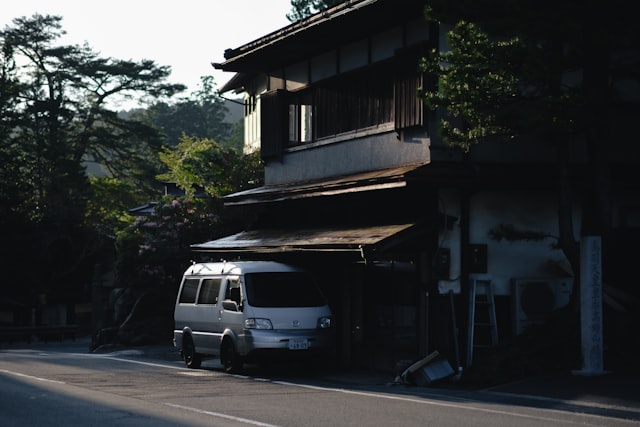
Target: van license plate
[{"x": 298, "y": 344}]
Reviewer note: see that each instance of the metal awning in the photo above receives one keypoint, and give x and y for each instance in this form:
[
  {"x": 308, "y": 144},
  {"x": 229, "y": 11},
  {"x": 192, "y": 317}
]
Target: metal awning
[
  {"x": 365, "y": 181},
  {"x": 363, "y": 241}
]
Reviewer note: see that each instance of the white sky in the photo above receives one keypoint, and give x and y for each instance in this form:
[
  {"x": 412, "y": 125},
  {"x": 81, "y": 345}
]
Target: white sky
[{"x": 187, "y": 35}]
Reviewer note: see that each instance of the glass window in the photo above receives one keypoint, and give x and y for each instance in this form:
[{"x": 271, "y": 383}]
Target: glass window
[
  {"x": 189, "y": 291},
  {"x": 283, "y": 289},
  {"x": 233, "y": 292},
  {"x": 209, "y": 291},
  {"x": 300, "y": 118},
  {"x": 346, "y": 103}
]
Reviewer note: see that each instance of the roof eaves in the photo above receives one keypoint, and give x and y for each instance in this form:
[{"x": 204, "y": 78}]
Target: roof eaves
[{"x": 232, "y": 55}]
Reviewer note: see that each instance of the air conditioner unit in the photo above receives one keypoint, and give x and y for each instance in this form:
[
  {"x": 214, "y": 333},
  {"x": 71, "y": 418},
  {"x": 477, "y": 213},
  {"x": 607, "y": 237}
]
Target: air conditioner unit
[{"x": 534, "y": 299}]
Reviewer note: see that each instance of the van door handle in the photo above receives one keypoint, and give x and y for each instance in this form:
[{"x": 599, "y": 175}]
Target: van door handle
[{"x": 219, "y": 314}]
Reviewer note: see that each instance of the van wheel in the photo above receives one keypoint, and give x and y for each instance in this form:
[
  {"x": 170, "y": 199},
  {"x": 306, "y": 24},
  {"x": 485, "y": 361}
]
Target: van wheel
[
  {"x": 229, "y": 358},
  {"x": 191, "y": 358}
]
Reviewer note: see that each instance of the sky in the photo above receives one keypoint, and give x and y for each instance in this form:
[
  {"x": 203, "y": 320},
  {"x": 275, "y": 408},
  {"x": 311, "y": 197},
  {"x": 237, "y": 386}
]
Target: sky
[{"x": 187, "y": 35}]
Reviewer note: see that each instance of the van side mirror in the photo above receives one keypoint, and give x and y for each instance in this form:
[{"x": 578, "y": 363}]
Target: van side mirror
[{"x": 230, "y": 305}]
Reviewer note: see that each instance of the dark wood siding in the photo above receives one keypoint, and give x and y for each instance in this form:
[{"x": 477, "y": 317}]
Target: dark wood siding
[
  {"x": 355, "y": 101},
  {"x": 408, "y": 105},
  {"x": 409, "y": 80},
  {"x": 273, "y": 124}
]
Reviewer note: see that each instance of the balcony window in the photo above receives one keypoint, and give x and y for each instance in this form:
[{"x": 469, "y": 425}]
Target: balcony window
[
  {"x": 378, "y": 95},
  {"x": 300, "y": 119}
]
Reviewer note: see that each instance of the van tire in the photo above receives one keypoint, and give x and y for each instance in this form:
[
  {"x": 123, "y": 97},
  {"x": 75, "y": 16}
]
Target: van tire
[
  {"x": 229, "y": 358},
  {"x": 191, "y": 359}
]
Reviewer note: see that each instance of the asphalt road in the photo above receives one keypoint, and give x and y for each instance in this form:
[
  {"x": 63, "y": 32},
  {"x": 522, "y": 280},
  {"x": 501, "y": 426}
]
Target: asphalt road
[{"x": 66, "y": 385}]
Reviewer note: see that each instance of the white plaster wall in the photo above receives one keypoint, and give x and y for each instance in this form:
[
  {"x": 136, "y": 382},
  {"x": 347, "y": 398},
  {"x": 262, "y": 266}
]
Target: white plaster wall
[
  {"x": 527, "y": 211},
  {"x": 417, "y": 31},
  {"x": 354, "y": 55},
  {"x": 372, "y": 152},
  {"x": 384, "y": 45},
  {"x": 324, "y": 66},
  {"x": 297, "y": 76}
]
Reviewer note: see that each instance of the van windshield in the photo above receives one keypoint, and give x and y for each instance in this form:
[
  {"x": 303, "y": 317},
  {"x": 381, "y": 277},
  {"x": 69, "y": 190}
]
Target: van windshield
[{"x": 282, "y": 289}]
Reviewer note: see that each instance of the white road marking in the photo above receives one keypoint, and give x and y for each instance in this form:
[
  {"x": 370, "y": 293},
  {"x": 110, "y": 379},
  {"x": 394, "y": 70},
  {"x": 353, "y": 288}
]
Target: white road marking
[
  {"x": 18, "y": 374},
  {"x": 159, "y": 365},
  {"x": 218, "y": 414},
  {"x": 199, "y": 374}
]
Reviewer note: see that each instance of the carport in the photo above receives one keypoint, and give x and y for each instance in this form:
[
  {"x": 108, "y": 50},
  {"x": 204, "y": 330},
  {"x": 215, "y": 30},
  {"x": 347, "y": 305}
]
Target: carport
[{"x": 370, "y": 274}]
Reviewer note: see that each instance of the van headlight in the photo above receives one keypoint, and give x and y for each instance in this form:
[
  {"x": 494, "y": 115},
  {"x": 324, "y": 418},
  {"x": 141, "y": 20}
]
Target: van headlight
[
  {"x": 324, "y": 322},
  {"x": 257, "y": 323}
]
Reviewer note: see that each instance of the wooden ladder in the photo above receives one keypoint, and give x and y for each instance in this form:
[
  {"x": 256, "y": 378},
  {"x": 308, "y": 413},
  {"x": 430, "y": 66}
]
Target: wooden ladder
[{"x": 483, "y": 328}]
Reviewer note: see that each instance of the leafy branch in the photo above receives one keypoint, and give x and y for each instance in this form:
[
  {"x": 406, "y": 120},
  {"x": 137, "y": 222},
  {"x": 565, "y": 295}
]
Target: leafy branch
[{"x": 510, "y": 233}]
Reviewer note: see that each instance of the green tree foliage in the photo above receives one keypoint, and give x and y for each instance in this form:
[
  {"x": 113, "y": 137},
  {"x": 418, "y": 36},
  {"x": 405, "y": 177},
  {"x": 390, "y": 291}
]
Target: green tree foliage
[
  {"x": 57, "y": 114},
  {"x": 201, "y": 115},
  {"x": 63, "y": 116},
  {"x": 301, "y": 9},
  {"x": 236, "y": 138},
  {"x": 203, "y": 163},
  {"x": 154, "y": 250},
  {"x": 548, "y": 70},
  {"x": 480, "y": 87},
  {"x": 108, "y": 205}
]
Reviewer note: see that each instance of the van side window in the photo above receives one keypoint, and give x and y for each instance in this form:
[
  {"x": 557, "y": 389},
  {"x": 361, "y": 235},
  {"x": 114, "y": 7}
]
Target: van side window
[
  {"x": 233, "y": 292},
  {"x": 209, "y": 291},
  {"x": 189, "y": 291}
]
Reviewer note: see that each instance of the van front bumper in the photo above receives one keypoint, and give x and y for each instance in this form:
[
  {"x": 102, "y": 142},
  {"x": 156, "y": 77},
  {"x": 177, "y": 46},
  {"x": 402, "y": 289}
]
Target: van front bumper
[{"x": 287, "y": 340}]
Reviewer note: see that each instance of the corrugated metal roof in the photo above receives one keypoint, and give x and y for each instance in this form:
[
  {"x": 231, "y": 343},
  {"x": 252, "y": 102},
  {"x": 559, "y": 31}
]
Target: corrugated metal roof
[
  {"x": 353, "y": 239},
  {"x": 365, "y": 181}
]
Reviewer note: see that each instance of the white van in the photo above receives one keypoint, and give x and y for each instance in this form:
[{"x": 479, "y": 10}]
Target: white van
[{"x": 247, "y": 311}]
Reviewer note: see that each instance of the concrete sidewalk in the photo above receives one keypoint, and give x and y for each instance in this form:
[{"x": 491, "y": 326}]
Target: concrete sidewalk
[
  {"x": 609, "y": 395},
  {"x": 607, "y": 390}
]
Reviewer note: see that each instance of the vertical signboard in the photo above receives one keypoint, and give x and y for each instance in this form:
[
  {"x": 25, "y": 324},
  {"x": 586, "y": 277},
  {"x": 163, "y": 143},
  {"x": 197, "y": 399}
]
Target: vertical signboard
[{"x": 591, "y": 305}]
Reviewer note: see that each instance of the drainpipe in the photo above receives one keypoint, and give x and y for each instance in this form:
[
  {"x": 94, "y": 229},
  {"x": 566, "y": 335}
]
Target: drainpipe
[{"x": 465, "y": 196}]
